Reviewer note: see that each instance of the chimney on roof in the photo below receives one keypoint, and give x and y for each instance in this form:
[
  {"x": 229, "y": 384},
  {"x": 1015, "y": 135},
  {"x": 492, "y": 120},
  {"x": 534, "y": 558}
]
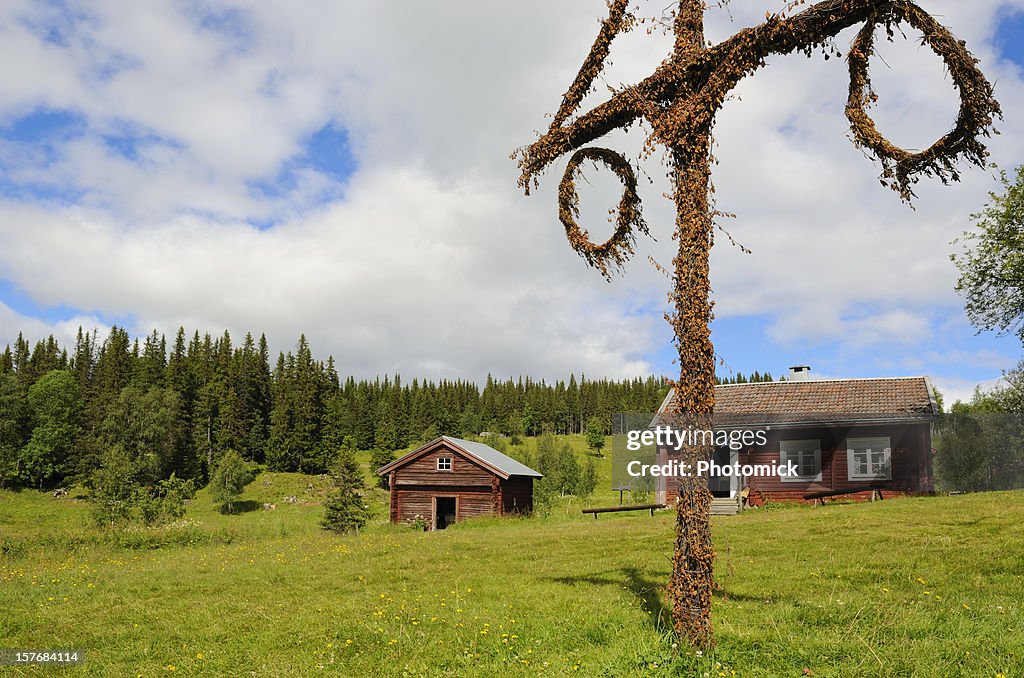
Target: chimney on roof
[{"x": 800, "y": 373}]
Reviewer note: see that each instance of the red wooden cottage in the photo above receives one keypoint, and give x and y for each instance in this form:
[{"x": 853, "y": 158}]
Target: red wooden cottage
[
  {"x": 449, "y": 479},
  {"x": 844, "y": 435}
]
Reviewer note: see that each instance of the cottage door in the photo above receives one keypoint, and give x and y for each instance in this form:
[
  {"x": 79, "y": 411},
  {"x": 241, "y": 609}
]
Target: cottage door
[{"x": 721, "y": 485}]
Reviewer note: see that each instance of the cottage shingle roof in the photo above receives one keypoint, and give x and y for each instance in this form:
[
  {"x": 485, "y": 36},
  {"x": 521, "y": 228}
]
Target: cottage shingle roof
[{"x": 892, "y": 399}]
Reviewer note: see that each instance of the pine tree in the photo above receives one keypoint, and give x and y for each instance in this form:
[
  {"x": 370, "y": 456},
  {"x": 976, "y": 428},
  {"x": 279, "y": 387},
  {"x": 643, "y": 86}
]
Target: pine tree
[
  {"x": 346, "y": 510},
  {"x": 14, "y": 426}
]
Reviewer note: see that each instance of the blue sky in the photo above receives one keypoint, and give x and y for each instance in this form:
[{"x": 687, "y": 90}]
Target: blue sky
[{"x": 337, "y": 171}]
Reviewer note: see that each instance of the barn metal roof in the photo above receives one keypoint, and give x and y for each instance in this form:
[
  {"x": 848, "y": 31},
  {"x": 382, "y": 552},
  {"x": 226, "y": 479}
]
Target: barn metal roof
[
  {"x": 491, "y": 456},
  {"x": 486, "y": 455}
]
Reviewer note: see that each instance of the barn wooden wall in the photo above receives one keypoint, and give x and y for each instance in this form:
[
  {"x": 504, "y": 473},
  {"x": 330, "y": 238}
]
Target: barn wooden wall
[
  {"x": 478, "y": 491},
  {"x": 517, "y": 495},
  {"x": 423, "y": 471}
]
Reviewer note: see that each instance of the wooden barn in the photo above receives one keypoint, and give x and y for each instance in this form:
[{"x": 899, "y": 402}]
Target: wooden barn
[
  {"x": 848, "y": 437},
  {"x": 449, "y": 479}
]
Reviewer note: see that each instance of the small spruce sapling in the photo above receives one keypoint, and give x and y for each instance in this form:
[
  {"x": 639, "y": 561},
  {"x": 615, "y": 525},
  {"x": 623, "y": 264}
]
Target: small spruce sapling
[{"x": 346, "y": 510}]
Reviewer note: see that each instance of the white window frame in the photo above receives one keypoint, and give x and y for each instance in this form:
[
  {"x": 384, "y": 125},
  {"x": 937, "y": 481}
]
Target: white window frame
[
  {"x": 444, "y": 463},
  {"x": 799, "y": 448},
  {"x": 869, "y": 444}
]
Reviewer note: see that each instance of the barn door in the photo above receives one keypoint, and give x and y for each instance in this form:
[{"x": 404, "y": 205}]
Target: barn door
[{"x": 444, "y": 512}]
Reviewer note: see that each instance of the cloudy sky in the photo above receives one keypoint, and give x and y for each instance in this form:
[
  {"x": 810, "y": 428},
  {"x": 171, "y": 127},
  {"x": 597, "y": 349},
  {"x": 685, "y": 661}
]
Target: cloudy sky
[{"x": 342, "y": 169}]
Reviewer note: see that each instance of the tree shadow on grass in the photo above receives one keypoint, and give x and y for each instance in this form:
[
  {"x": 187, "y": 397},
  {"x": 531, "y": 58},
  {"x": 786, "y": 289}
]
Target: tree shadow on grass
[
  {"x": 637, "y": 582},
  {"x": 722, "y": 593},
  {"x": 244, "y": 506}
]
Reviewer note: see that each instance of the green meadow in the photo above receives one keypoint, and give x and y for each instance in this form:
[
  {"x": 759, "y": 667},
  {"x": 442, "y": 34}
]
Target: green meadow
[{"x": 908, "y": 587}]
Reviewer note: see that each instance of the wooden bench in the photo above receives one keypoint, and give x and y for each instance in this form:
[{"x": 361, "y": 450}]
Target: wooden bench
[
  {"x": 876, "y": 491},
  {"x": 616, "y": 509}
]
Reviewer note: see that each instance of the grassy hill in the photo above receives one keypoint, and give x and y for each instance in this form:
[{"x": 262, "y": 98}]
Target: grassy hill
[{"x": 924, "y": 587}]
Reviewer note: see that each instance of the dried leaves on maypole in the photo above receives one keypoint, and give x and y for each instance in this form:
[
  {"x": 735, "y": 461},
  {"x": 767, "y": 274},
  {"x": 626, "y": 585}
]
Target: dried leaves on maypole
[{"x": 679, "y": 102}]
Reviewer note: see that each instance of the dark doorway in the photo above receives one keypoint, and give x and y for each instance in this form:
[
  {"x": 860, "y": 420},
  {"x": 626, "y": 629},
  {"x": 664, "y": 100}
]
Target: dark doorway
[
  {"x": 720, "y": 485},
  {"x": 444, "y": 512}
]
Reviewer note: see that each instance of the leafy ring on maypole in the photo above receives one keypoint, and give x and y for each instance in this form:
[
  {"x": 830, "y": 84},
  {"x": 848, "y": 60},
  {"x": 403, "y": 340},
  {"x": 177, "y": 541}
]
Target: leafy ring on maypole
[
  {"x": 614, "y": 252},
  {"x": 901, "y": 168}
]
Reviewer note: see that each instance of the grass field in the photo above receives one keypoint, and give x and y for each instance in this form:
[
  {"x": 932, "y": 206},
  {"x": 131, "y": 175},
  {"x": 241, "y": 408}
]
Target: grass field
[{"x": 910, "y": 587}]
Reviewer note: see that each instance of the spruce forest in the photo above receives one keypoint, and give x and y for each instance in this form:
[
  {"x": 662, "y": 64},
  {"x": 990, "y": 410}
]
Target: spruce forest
[{"x": 179, "y": 411}]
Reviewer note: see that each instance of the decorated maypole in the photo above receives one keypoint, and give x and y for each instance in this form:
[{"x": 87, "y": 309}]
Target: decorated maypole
[{"x": 679, "y": 102}]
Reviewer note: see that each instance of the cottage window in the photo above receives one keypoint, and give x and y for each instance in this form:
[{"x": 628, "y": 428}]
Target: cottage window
[
  {"x": 444, "y": 463},
  {"x": 805, "y": 455},
  {"x": 869, "y": 458}
]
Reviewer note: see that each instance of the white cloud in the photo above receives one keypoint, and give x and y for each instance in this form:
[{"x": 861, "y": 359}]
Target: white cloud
[
  {"x": 432, "y": 263},
  {"x": 34, "y": 329}
]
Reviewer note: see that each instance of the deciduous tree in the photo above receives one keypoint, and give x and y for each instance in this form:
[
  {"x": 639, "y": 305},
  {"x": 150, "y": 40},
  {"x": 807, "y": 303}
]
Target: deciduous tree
[
  {"x": 229, "y": 478},
  {"x": 992, "y": 261},
  {"x": 53, "y": 403},
  {"x": 595, "y": 435}
]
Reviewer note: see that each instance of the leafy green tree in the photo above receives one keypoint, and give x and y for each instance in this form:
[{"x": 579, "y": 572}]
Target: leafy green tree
[
  {"x": 165, "y": 502},
  {"x": 556, "y": 461},
  {"x": 346, "y": 509},
  {"x": 229, "y": 478},
  {"x": 595, "y": 435},
  {"x": 980, "y": 444},
  {"x": 588, "y": 480},
  {"x": 147, "y": 424},
  {"x": 114, "y": 488},
  {"x": 568, "y": 471},
  {"x": 544, "y": 497},
  {"x": 992, "y": 262},
  {"x": 1009, "y": 396},
  {"x": 53, "y": 403},
  {"x": 175, "y": 492}
]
